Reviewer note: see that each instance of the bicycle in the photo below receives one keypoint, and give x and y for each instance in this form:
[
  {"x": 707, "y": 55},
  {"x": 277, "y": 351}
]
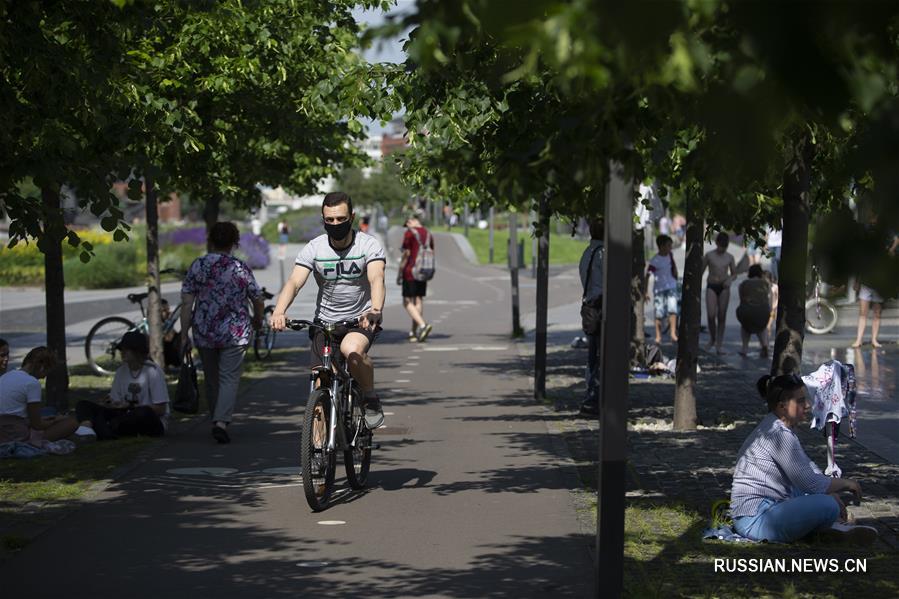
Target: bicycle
[
  {"x": 334, "y": 421},
  {"x": 820, "y": 315},
  {"x": 264, "y": 338},
  {"x": 102, "y": 343}
]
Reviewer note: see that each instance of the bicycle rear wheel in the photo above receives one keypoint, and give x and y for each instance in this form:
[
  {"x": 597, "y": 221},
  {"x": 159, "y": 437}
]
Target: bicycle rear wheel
[
  {"x": 316, "y": 463},
  {"x": 101, "y": 345},
  {"x": 820, "y": 316},
  {"x": 264, "y": 340},
  {"x": 357, "y": 458}
]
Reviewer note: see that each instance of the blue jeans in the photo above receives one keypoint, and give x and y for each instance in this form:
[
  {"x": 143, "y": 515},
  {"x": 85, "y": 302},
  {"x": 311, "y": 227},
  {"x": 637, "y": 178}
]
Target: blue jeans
[
  {"x": 592, "y": 370},
  {"x": 789, "y": 520}
]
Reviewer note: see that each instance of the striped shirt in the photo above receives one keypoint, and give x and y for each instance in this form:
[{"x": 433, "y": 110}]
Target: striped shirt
[{"x": 772, "y": 465}]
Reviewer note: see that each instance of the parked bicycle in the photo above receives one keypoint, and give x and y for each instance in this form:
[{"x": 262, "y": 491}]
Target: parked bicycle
[
  {"x": 333, "y": 422},
  {"x": 820, "y": 315},
  {"x": 102, "y": 344},
  {"x": 264, "y": 338}
]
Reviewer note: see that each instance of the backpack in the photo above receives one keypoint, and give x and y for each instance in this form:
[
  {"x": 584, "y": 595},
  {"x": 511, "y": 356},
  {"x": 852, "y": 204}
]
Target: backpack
[{"x": 423, "y": 268}]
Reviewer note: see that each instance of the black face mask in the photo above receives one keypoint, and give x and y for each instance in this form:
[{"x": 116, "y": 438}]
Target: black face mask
[{"x": 339, "y": 231}]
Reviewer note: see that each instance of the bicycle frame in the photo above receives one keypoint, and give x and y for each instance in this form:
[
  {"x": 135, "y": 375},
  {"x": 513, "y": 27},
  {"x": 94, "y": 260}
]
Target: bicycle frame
[{"x": 337, "y": 377}]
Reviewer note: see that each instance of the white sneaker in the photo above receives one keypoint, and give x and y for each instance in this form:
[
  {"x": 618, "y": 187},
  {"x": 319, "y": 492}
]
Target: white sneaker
[
  {"x": 851, "y": 534},
  {"x": 85, "y": 434}
]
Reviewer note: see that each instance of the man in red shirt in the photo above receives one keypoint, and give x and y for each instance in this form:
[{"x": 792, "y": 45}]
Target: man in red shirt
[{"x": 414, "y": 291}]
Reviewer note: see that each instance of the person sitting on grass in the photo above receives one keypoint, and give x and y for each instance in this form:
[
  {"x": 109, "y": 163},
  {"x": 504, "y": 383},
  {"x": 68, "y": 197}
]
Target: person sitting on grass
[
  {"x": 138, "y": 403},
  {"x": 20, "y": 403},
  {"x": 778, "y": 494}
]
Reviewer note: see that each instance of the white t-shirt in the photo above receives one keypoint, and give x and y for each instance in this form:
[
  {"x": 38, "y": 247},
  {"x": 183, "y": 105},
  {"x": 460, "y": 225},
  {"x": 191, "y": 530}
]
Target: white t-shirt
[
  {"x": 145, "y": 389},
  {"x": 775, "y": 238},
  {"x": 17, "y": 389},
  {"x": 344, "y": 292},
  {"x": 662, "y": 268}
]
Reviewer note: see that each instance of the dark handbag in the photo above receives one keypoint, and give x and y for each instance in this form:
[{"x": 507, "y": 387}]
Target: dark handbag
[
  {"x": 187, "y": 394},
  {"x": 591, "y": 310}
]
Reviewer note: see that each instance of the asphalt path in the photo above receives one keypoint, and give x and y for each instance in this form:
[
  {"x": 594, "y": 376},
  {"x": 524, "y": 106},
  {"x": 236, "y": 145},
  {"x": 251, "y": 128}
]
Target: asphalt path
[{"x": 467, "y": 496}]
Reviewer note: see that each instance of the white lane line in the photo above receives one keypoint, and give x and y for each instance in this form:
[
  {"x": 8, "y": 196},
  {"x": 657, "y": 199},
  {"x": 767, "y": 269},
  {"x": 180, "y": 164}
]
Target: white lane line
[
  {"x": 388, "y": 413},
  {"x": 397, "y": 390},
  {"x": 263, "y": 487},
  {"x": 331, "y": 522},
  {"x": 402, "y": 381},
  {"x": 442, "y": 349},
  {"x": 312, "y": 564},
  {"x": 407, "y": 372}
]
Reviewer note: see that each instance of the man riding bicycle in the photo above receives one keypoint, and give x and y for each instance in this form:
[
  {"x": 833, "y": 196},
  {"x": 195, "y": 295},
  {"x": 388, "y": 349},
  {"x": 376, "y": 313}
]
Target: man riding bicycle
[{"x": 349, "y": 268}]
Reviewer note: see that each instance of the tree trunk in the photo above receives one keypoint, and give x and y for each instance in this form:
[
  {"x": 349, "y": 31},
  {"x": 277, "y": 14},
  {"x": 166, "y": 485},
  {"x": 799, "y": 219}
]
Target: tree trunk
[
  {"x": 513, "y": 272},
  {"x": 54, "y": 283},
  {"x": 791, "y": 307},
  {"x": 613, "y": 395},
  {"x": 542, "y": 300},
  {"x": 638, "y": 266},
  {"x": 690, "y": 320},
  {"x": 154, "y": 299},
  {"x": 211, "y": 210}
]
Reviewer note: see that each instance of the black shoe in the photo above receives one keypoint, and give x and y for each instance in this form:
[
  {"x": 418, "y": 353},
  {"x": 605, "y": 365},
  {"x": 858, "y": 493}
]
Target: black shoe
[
  {"x": 220, "y": 435},
  {"x": 588, "y": 408},
  {"x": 374, "y": 414}
]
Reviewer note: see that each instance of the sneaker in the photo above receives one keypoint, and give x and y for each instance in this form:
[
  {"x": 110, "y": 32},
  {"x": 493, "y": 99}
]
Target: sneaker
[
  {"x": 849, "y": 534},
  {"x": 413, "y": 335},
  {"x": 85, "y": 434},
  {"x": 424, "y": 331},
  {"x": 590, "y": 409},
  {"x": 374, "y": 414},
  {"x": 220, "y": 435}
]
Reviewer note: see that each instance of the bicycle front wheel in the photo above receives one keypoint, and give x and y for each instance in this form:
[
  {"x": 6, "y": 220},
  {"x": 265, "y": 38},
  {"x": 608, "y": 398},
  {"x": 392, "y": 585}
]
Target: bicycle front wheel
[
  {"x": 820, "y": 316},
  {"x": 264, "y": 340},
  {"x": 317, "y": 464},
  {"x": 101, "y": 345},
  {"x": 357, "y": 457}
]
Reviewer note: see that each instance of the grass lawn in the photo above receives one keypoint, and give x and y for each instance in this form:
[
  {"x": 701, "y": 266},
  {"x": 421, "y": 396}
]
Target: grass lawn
[
  {"x": 665, "y": 557},
  {"x": 563, "y": 249},
  {"x": 52, "y": 479}
]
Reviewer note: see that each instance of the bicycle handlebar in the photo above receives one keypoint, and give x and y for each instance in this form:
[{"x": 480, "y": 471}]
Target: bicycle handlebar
[{"x": 299, "y": 325}]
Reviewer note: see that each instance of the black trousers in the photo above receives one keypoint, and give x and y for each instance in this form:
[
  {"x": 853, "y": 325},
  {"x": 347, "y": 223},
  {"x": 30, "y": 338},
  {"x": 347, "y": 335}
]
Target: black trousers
[{"x": 111, "y": 423}]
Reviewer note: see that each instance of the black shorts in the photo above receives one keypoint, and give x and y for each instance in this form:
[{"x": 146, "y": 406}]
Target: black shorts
[
  {"x": 415, "y": 288},
  {"x": 318, "y": 341}
]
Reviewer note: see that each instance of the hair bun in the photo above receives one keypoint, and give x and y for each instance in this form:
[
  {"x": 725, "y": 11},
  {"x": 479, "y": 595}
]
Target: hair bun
[{"x": 762, "y": 385}]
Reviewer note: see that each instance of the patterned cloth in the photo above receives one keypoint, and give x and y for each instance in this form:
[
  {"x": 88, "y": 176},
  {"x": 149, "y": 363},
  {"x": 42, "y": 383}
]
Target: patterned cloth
[
  {"x": 829, "y": 387},
  {"x": 665, "y": 303},
  {"x": 223, "y": 287}
]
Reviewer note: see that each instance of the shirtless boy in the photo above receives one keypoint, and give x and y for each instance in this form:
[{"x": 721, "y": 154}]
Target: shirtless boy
[{"x": 722, "y": 272}]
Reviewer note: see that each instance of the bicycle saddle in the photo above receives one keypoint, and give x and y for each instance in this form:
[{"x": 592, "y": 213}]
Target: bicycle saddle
[{"x": 135, "y": 298}]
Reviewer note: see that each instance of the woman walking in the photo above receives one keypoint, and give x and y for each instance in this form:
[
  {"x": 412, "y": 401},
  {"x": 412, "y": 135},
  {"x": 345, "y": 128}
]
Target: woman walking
[{"x": 216, "y": 294}]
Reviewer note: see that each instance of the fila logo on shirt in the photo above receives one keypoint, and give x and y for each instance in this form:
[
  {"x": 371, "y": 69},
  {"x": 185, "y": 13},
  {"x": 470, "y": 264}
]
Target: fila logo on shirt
[{"x": 342, "y": 269}]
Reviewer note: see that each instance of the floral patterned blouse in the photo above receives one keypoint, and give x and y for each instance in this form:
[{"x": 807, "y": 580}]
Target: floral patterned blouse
[{"x": 222, "y": 287}]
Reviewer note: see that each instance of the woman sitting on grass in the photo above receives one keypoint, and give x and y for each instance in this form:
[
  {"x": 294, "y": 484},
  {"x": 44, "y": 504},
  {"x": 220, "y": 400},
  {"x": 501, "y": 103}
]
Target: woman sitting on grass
[
  {"x": 20, "y": 403},
  {"x": 778, "y": 494},
  {"x": 138, "y": 403}
]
